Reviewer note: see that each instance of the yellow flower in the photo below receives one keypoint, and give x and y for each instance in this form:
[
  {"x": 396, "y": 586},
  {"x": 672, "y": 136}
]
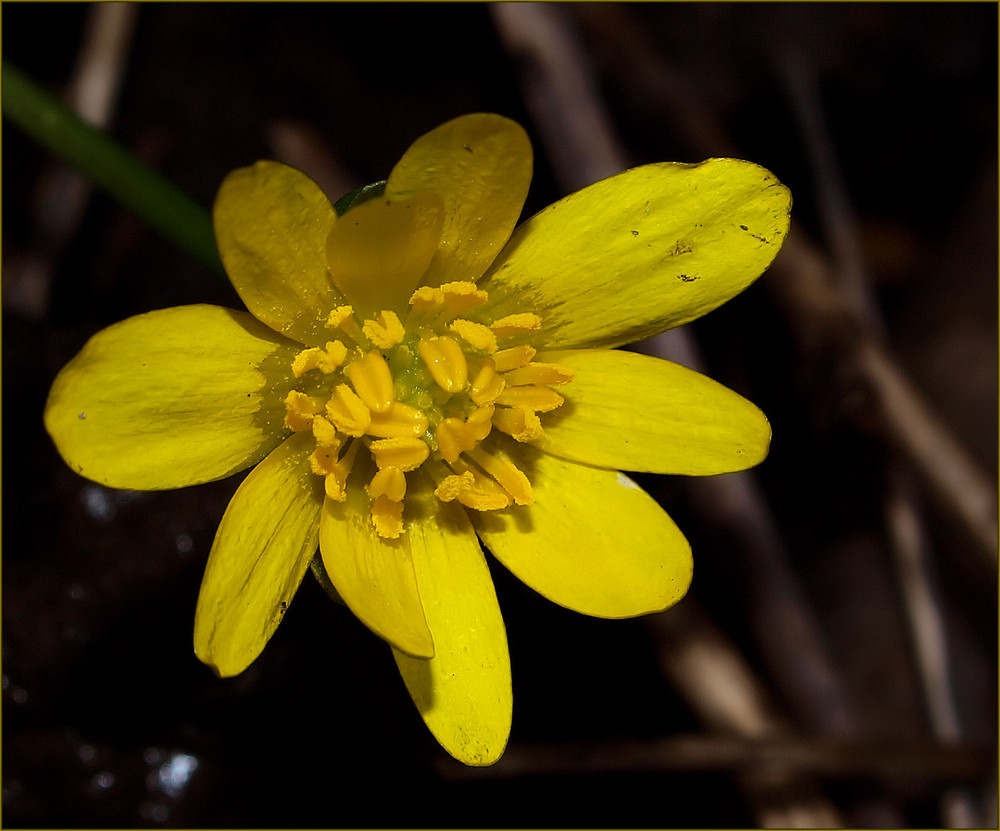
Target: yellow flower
[{"x": 414, "y": 377}]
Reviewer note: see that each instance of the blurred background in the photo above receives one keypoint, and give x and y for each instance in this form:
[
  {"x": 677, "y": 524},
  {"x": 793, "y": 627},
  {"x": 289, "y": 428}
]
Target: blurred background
[{"x": 835, "y": 661}]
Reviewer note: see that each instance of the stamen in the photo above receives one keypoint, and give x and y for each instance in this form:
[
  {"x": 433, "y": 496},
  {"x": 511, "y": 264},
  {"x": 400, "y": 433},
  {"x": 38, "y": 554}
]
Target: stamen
[
  {"x": 372, "y": 381},
  {"x": 300, "y": 409},
  {"x": 453, "y": 298},
  {"x": 390, "y": 482},
  {"x": 335, "y": 483},
  {"x": 454, "y": 484},
  {"x": 487, "y": 385},
  {"x": 386, "y": 332},
  {"x": 325, "y": 360},
  {"x": 325, "y": 433},
  {"x": 475, "y": 334},
  {"x": 399, "y": 421},
  {"x": 346, "y": 410},
  {"x": 516, "y": 324},
  {"x": 508, "y": 359},
  {"x": 323, "y": 460},
  {"x": 453, "y": 436},
  {"x": 403, "y": 453},
  {"x": 472, "y": 489},
  {"x": 387, "y": 517},
  {"x": 510, "y": 477},
  {"x": 548, "y": 375},
  {"x": 343, "y": 318},
  {"x": 507, "y": 391},
  {"x": 540, "y": 399},
  {"x": 518, "y": 422},
  {"x": 481, "y": 422},
  {"x": 445, "y": 361}
]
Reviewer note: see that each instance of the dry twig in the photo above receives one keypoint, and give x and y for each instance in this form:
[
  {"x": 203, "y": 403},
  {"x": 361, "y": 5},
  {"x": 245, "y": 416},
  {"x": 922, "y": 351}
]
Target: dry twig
[{"x": 584, "y": 148}]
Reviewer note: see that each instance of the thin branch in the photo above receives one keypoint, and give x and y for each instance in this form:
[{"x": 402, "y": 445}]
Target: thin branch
[
  {"x": 909, "y": 541},
  {"x": 902, "y": 766}
]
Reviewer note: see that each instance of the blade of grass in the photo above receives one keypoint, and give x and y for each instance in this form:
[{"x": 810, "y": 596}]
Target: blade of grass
[{"x": 109, "y": 166}]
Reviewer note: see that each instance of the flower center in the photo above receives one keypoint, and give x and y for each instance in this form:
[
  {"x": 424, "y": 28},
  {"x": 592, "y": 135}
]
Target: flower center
[{"x": 427, "y": 392}]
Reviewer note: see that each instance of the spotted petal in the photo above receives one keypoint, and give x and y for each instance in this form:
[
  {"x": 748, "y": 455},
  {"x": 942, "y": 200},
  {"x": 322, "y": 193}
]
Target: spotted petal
[
  {"x": 261, "y": 551},
  {"x": 480, "y": 165},
  {"x": 374, "y": 576},
  {"x": 171, "y": 398},
  {"x": 271, "y": 224},
  {"x": 641, "y": 252},
  {"x": 593, "y": 540},
  {"x": 633, "y": 412},
  {"x": 464, "y": 692}
]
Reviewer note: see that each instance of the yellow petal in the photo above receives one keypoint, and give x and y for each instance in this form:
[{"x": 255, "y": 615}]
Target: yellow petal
[
  {"x": 374, "y": 575},
  {"x": 593, "y": 540},
  {"x": 641, "y": 252},
  {"x": 635, "y": 412},
  {"x": 271, "y": 225},
  {"x": 171, "y": 398},
  {"x": 378, "y": 252},
  {"x": 262, "y": 549},
  {"x": 464, "y": 691},
  {"x": 480, "y": 165}
]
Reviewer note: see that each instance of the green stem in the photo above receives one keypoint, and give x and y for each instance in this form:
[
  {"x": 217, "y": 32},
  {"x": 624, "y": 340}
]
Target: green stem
[{"x": 109, "y": 166}]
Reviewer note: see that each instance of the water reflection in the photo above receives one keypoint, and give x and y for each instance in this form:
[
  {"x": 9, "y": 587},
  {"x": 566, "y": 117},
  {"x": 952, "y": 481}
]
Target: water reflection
[
  {"x": 175, "y": 774},
  {"x": 169, "y": 778}
]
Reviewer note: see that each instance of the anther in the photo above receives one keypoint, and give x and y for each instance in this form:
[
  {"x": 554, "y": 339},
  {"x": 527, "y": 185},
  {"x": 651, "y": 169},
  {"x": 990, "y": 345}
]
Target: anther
[
  {"x": 403, "y": 453},
  {"x": 472, "y": 489},
  {"x": 475, "y": 334},
  {"x": 480, "y": 422},
  {"x": 348, "y": 412},
  {"x": 300, "y": 409},
  {"x": 325, "y": 360},
  {"x": 487, "y": 385},
  {"x": 335, "y": 483},
  {"x": 512, "y": 358},
  {"x": 451, "y": 298},
  {"x": 548, "y": 375},
  {"x": 390, "y": 482},
  {"x": 453, "y": 437},
  {"x": 325, "y": 433},
  {"x": 516, "y": 324},
  {"x": 523, "y": 425},
  {"x": 372, "y": 381},
  {"x": 399, "y": 421},
  {"x": 342, "y": 318},
  {"x": 445, "y": 361},
  {"x": 540, "y": 399},
  {"x": 323, "y": 460},
  {"x": 507, "y": 474},
  {"x": 387, "y": 517},
  {"x": 386, "y": 332}
]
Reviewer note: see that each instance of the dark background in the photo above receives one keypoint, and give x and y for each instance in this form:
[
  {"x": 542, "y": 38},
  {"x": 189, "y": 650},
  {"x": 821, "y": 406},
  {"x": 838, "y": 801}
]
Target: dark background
[{"x": 104, "y": 702}]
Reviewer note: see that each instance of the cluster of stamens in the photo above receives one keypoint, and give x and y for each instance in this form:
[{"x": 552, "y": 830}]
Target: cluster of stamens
[{"x": 431, "y": 390}]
